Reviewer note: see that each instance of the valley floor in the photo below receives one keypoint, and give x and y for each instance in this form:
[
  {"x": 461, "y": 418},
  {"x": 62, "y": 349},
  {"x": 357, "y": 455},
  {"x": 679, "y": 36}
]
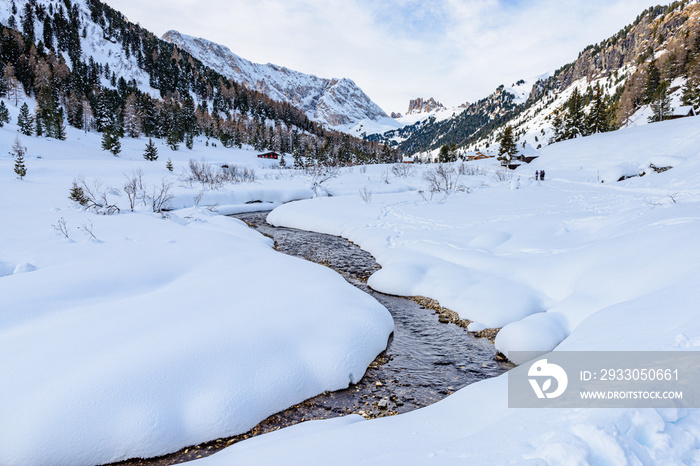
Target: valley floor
[{"x": 157, "y": 331}]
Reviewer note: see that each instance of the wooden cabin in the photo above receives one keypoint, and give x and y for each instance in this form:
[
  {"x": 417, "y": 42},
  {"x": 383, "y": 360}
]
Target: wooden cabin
[
  {"x": 682, "y": 112},
  {"x": 269, "y": 155}
]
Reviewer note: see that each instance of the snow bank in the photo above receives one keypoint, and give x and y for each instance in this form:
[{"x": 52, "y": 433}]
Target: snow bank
[
  {"x": 142, "y": 333},
  {"x": 139, "y": 333},
  {"x": 605, "y": 266}
]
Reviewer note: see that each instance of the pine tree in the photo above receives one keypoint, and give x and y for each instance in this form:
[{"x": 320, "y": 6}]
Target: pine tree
[
  {"x": 77, "y": 194},
  {"x": 597, "y": 120},
  {"x": 103, "y": 113},
  {"x": 298, "y": 161},
  {"x": 60, "y": 128},
  {"x": 25, "y": 120},
  {"x": 173, "y": 139},
  {"x": 110, "y": 141},
  {"x": 49, "y": 114},
  {"x": 27, "y": 19},
  {"x": 661, "y": 104},
  {"x": 283, "y": 164},
  {"x": 151, "y": 152},
  {"x": 18, "y": 152},
  {"x": 559, "y": 133},
  {"x": 508, "y": 148},
  {"x": 169, "y": 165},
  {"x": 448, "y": 153},
  {"x": 691, "y": 91},
  {"x": 575, "y": 121},
  {"x": 11, "y": 84},
  {"x": 132, "y": 117},
  {"x": 653, "y": 83},
  {"x": 4, "y": 114}
]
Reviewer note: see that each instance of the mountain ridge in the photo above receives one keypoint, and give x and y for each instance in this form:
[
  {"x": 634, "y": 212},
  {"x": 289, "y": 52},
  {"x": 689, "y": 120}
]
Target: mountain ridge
[
  {"x": 665, "y": 35},
  {"x": 339, "y": 103}
]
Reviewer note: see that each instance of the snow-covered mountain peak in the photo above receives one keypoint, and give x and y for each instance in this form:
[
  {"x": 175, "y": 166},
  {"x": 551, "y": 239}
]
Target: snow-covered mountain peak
[{"x": 337, "y": 102}]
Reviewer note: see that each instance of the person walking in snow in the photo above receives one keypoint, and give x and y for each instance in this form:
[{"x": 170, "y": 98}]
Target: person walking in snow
[
  {"x": 537, "y": 175},
  {"x": 542, "y": 175}
]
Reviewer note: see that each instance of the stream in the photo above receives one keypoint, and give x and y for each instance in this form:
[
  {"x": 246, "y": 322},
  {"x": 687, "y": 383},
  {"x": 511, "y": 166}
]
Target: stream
[{"x": 427, "y": 358}]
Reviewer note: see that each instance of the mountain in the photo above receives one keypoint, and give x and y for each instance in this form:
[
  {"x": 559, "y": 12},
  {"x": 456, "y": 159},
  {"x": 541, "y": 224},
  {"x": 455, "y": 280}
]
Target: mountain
[
  {"x": 663, "y": 38},
  {"x": 339, "y": 103},
  {"x": 83, "y": 63},
  {"x": 423, "y": 106}
]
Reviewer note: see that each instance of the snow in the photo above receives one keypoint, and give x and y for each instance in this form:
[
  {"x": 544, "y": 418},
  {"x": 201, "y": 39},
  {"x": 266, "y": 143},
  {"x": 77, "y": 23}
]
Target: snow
[
  {"x": 338, "y": 103},
  {"x": 155, "y": 332},
  {"x": 521, "y": 89},
  {"x": 601, "y": 266},
  {"x": 163, "y": 331}
]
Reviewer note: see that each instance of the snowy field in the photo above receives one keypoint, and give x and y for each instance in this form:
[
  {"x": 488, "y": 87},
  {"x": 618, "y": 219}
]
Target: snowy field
[
  {"x": 141, "y": 333},
  {"x": 568, "y": 263}
]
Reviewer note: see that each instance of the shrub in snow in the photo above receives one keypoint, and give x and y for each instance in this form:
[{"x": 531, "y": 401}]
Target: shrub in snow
[
  {"x": 92, "y": 197},
  {"x": 442, "y": 178},
  {"x": 161, "y": 197},
  {"x": 385, "y": 176},
  {"x": 366, "y": 195},
  {"x": 61, "y": 227},
  {"x": 203, "y": 172},
  {"x": 135, "y": 188},
  {"x": 317, "y": 174},
  {"x": 402, "y": 170},
  {"x": 471, "y": 170},
  {"x": 503, "y": 175}
]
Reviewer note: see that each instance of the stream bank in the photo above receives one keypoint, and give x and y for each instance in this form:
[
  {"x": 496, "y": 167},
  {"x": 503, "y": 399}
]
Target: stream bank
[{"x": 427, "y": 357}]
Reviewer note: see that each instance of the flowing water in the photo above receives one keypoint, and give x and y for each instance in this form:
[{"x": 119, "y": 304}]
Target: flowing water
[{"x": 426, "y": 358}]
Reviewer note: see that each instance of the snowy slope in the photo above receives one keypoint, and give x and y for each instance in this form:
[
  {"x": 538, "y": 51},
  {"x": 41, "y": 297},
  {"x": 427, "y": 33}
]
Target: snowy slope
[
  {"x": 96, "y": 43},
  {"x": 569, "y": 263},
  {"x": 338, "y": 103},
  {"x": 138, "y": 334}
]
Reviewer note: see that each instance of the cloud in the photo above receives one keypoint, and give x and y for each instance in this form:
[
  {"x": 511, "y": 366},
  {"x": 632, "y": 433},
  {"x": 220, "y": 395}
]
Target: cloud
[{"x": 453, "y": 50}]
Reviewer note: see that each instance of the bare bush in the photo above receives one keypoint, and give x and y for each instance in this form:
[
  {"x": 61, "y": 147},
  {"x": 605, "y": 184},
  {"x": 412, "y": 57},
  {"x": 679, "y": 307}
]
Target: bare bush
[
  {"x": 61, "y": 227},
  {"x": 471, "y": 170},
  {"x": 134, "y": 188},
  {"x": 318, "y": 174},
  {"x": 87, "y": 229},
  {"x": 234, "y": 174},
  {"x": 161, "y": 197},
  {"x": 366, "y": 195},
  {"x": 203, "y": 172},
  {"x": 92, "y": 197},
  {"x": 199, "y": 196},
  {"x": 423, "y": 195},
  {"x": 503, "y": 175},
  {"x": 402, "y": 170},
  {"x": 385, "y": 176},
  {"x": 443, "y": 178}
]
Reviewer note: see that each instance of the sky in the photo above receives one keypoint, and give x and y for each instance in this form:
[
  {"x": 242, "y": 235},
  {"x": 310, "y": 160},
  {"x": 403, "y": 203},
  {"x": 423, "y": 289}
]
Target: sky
[{"x": 455, "y": 51}]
